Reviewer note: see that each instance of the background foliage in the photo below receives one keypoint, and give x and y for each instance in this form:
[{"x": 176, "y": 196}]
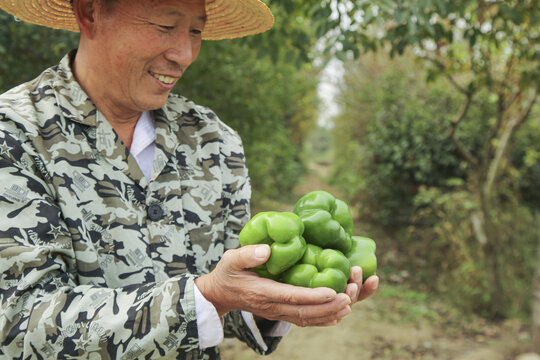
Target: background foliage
[
  {"x": 445, "y": 149},
  {"x": 26, "y": 50}
]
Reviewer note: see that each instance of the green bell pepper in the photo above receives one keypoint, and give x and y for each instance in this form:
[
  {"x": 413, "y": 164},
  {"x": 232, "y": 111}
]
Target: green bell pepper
[
  {"x": 320, "y": 268},
  {"x": 283, "y": 232},
  {"x": 328, "y": 222},
  {"x": 362, "y": 253}
]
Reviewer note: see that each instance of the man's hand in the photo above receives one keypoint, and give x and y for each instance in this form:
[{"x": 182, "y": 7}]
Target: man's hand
[
  {"x": 358, "y": 291},
  {"x": 232, "y": 286}
]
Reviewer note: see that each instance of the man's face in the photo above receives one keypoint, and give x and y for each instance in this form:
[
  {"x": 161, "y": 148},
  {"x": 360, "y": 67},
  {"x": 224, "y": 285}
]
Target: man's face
[{"x": 144, "y": 47}]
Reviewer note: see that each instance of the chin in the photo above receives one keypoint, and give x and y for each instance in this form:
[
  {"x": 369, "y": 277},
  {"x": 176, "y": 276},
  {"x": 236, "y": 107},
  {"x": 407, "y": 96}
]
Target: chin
[{"x": 156, "y": 103}]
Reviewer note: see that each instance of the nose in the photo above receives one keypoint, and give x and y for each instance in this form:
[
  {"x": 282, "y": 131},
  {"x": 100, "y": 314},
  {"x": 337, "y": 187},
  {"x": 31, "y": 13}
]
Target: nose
[{"x": 180, "y": 50}]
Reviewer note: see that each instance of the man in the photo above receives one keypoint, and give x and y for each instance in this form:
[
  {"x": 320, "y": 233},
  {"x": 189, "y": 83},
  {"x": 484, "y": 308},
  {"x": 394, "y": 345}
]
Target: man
[{"x": 121, "y": 203}]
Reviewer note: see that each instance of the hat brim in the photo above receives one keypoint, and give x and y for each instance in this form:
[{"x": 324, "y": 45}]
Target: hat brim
[{"x": 226, "y": 19}]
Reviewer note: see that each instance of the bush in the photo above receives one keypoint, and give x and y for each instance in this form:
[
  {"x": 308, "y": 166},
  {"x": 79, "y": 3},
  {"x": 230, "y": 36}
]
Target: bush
[
  {"x": 454, "y": 264},
  {"x": 395, "y": 163},
  {"x": 400, "y": 141}
]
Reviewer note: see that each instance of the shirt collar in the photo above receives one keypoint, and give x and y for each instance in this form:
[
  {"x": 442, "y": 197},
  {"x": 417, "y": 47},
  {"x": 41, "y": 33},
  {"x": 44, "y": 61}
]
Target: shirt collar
[
  {"x": 72, "y": 99},
  {"x": 144, "y": 134}
]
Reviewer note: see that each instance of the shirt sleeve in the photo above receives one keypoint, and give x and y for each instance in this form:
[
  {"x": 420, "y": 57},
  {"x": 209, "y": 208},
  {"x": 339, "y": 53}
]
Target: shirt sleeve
[
  {"x": 45, "y": 312},
  {"x": 210, "y": 327}
]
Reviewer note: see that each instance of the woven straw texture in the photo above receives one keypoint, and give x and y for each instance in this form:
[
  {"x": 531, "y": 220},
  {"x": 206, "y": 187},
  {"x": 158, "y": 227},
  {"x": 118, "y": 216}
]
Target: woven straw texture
[{"x": 226, "y": 19}]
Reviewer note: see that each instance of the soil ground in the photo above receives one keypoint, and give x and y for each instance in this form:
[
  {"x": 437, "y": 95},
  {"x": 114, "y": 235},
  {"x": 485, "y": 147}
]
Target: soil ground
[{"x": 395, "y": 323}]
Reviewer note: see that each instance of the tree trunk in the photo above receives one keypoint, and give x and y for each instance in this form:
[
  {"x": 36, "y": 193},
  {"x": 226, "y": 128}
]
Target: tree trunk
[
  {"x": 536, "y": 295},
  {"x": 491, "y": 248}
]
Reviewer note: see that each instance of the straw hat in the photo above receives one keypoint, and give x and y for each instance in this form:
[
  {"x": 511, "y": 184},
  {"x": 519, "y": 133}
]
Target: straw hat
[{"x": 226, "y": 19}]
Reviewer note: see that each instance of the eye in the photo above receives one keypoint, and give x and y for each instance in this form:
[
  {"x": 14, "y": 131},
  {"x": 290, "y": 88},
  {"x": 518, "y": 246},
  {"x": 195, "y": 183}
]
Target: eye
[
  {"x": 196, "y": 32},
  {"x": 165, "y": 27}
]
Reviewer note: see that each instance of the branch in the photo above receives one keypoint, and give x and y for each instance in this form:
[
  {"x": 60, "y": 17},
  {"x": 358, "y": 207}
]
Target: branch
[
  {"x": 494, "y": 130},
  {"x": 453, "y": 127},
  {"x": 528, "y": 109},
  {"x": 502, "y": 106},
  {"x": 454, "y": 124},
  {"x": 509, "y": 65},
  {"x": 457, "y": 86},
  {"x": 441, "y": 66},
  {"x": 511, "y": 100},
  {"x": 509, "y": 130}
]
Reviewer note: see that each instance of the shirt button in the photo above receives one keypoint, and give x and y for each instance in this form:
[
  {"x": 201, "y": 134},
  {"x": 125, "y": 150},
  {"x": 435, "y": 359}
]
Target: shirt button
[{"x": 155, "y": 212}]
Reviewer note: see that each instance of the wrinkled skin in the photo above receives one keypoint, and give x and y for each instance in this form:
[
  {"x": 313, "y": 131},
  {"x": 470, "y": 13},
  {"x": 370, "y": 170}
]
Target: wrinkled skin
[{"x": 232, "y": 287}]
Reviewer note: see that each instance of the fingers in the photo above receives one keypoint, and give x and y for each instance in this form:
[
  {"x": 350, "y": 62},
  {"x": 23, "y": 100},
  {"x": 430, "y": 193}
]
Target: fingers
[
  {"x": 246, "y": 257},
  {"x": 334, "y": 320},
  {"x": 355, "y": 284},
  {"x": 356, "y": 275},
  {"x": 353, "y": 291},
  {"x": 233, "y": 286},
  {"x": 326, "y": 314},
  {"x": 358, "y": 291},
  {"x": 330, "y": 319},
  {"x": 297, "y": 295},
  {"x": 369, "y": 287}
]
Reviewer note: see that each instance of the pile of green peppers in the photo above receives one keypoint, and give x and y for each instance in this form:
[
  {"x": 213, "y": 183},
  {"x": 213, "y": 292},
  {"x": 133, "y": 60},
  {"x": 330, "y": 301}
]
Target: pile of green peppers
[{"x": 313, "y": 246}]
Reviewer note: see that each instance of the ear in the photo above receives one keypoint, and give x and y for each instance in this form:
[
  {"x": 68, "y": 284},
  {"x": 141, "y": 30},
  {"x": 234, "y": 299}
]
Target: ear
[{"x": 86, "y": 15}]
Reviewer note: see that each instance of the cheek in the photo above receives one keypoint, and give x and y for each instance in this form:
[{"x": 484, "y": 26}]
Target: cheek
[
  {"x": 137, "y": 45},
  {"x": 117, "y": 54},
  {"x": 130, "y": 59}
]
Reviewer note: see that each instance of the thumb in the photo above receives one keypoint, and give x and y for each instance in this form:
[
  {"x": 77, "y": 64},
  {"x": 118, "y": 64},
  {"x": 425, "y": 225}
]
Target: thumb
[{"x": 249, "y": 256}]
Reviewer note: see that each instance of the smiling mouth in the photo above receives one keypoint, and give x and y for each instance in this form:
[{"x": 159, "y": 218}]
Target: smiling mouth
[{"x": 163, "y": 78}]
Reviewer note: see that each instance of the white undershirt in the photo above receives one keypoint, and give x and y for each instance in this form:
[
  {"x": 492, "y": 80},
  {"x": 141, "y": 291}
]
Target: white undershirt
[
  {"x": 143, "y": 144},
  {"x": 210, "y": 328}
]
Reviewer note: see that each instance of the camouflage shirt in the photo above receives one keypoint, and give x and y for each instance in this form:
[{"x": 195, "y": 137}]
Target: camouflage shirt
[{"x": 96, "y": 262}]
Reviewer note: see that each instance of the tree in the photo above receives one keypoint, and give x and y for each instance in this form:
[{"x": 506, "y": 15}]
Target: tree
[
  {"x": 480, "y": 47},
  {"x": 390, "y": 137}
]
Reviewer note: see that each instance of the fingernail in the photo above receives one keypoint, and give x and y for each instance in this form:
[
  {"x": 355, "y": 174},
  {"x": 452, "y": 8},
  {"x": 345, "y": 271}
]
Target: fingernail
[
  {"x": 261, "y": 252},
  {"x": 345, "y": 300},
  {"x": 332, "y": 296},
  {"x": 376, "y": 285},
  {"x": 344, "y": 311},
  {"x": 358, "y": 275}
]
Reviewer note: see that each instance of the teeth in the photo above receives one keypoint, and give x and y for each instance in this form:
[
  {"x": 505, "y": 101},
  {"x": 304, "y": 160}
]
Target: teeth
[{"x": 163, "y": 78}]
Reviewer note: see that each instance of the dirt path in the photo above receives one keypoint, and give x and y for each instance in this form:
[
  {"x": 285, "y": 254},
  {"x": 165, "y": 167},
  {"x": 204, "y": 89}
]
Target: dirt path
[
  {"x": 395, "y": 323},
  {"x": 382, "y": 327}
]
